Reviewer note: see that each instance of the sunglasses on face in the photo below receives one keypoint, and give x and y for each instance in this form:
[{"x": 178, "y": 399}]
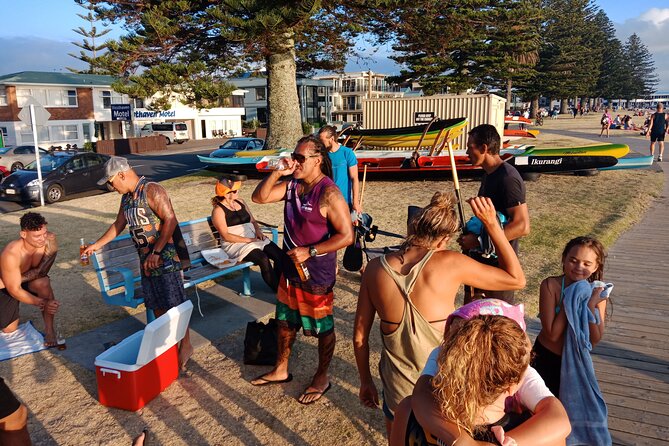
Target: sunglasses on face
[
  {"x": 111, "y": 179},
  {"x": 301, "y": 158}
]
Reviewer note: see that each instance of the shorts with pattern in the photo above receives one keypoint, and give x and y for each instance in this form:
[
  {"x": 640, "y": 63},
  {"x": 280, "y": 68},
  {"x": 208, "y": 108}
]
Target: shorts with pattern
[
  {"x": 301, "y": 305},
  {"x": 163, "y": 292},
  {"x": 8, "y": 402}
]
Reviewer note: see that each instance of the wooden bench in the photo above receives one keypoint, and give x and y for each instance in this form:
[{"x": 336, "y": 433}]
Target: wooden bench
[{"x": 119, "y": 274}]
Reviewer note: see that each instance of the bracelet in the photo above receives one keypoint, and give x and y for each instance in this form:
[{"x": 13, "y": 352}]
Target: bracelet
[{"x": 156, "y": 253}]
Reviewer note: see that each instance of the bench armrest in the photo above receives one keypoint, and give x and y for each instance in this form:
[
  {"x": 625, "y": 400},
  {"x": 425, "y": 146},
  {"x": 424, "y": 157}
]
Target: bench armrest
[
  {"x": 128, "y": 281},
  {"x": 271, "y": 230}
]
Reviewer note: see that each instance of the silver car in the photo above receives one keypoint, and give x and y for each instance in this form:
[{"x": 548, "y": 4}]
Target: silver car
[{"x": 14, "y": 158}]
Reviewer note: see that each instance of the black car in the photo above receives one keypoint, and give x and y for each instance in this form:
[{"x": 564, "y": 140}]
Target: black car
[{"x": 63, "y": 173}]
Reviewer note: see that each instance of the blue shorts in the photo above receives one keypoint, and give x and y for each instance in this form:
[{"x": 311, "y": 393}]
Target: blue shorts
[{"x": 163, "y": 292}]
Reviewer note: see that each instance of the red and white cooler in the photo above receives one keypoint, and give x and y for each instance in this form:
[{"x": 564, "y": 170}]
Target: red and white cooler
[{"x": 136, "y": 370}]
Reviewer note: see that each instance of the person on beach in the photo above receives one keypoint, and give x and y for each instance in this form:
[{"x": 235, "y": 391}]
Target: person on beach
[
  {"x": 24, "y": 269},
  {"x": 13, "y": 419},
  {"x": 316, "y": 225},
  {"x": 502, "y": 183},
  {"x": 657, "y": 128},
  {"x": 572, "y": 309},
  {"x": 241, "y": 236},
  {"x": 478, "y": 386},
  {"x": 147, "y": 211},
  {"x": 605, "y": 122},
  {"x": 344, "y": 168},
  {"x": 413, "y": 292}
]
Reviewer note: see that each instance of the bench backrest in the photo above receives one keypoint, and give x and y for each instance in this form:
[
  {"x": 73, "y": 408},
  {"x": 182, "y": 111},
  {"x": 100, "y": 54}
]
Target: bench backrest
[{"x": 121, "y": 252}]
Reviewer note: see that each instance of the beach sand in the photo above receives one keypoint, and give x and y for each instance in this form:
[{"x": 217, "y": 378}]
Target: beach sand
[{"x": 213, "y": 404}]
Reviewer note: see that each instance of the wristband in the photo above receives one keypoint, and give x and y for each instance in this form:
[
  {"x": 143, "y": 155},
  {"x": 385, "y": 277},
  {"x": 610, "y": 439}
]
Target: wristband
[{"x": 156, "y": 252}]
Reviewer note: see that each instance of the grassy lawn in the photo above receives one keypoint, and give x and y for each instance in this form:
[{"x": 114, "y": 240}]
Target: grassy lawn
[{"x": 561, "y": 207}]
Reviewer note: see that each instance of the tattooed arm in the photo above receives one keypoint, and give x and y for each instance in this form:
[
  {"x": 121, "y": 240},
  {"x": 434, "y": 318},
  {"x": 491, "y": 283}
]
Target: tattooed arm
[
  {"x": 160, "y": 203},
  {"x": 42, "y": 270}
]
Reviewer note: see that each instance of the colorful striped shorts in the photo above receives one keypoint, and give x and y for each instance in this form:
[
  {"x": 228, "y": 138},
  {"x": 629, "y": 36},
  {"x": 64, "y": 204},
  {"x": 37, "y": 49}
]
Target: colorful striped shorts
[{"x": 300, "y": 304}]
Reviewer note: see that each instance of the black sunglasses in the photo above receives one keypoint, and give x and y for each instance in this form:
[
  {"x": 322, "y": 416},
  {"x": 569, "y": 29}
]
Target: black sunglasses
[{"x": 301, "y": 158}]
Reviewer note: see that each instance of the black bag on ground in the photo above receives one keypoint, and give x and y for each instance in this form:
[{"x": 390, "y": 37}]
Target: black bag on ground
[{"x": 260, "y": 343}]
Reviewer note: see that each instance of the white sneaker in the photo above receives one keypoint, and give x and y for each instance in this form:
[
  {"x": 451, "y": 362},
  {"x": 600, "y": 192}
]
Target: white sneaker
[{"x": 659, "y": 158}]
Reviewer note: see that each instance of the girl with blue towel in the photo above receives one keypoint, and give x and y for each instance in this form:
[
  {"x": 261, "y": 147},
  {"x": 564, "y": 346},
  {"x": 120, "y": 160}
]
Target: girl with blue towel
[{"x": 572, "y": 308}]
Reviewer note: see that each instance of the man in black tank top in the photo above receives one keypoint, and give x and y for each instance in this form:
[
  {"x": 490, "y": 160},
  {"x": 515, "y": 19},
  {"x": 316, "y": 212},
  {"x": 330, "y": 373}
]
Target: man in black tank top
[{"x": 657, "y": 129}]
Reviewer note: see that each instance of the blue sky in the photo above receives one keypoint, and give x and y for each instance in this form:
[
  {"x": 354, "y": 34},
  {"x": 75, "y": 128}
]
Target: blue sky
[{"x": 37, "y": 35}]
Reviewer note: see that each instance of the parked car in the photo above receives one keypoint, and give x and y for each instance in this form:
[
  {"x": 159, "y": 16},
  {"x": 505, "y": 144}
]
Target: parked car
[
  {"x": 63, "y": 173},
  {"x": 14, "y": 158},
  {"x": 172, "y": 131},
  {"x": 234, "y": 145}
]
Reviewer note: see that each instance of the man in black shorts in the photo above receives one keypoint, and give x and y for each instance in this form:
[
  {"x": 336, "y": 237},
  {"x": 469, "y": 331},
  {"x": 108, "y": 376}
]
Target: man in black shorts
[
  {"x": 657, "y": 129},
  {"x": 13, "y": 419},
  {"x": 147, "y": 211},
  {"x": 24, "y": 265},
  {"x": 503, "y": 184}
]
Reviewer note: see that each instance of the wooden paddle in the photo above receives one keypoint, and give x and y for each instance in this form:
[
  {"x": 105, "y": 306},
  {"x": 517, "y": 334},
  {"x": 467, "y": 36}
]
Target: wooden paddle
[{"x": 469, "y": 291}]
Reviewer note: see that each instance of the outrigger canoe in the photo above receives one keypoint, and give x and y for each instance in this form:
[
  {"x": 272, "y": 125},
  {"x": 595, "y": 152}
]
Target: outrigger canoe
[
  {"x": 511, "y": 134},
  {"x": 638, "y": 162},
  {"x": 434, "y": 135},
  {"x": 517, "y": 120}
]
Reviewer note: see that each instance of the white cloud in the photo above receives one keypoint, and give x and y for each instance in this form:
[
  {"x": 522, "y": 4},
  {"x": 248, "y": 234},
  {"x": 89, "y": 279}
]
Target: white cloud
[
  {"x": 657, "y": 16},
  {"x": 652, "y": 27}
]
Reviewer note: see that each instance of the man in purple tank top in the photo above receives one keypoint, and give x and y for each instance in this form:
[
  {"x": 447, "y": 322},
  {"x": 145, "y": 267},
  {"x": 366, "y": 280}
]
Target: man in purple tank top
[{"x": 316, "y": 225}]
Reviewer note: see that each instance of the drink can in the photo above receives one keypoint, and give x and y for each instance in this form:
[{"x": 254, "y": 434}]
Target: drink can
[{"x": 302, "y": 271}]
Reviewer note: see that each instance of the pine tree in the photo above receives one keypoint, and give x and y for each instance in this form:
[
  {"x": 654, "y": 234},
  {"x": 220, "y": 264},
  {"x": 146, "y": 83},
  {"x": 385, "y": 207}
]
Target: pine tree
[
  {"x": 614, "y": 72},
  {"x": 90, "y": 50},
  {"x": 643, "y": 78},
  {"x": 187, "y": 47},
  {"x": 569, "y": 62}
]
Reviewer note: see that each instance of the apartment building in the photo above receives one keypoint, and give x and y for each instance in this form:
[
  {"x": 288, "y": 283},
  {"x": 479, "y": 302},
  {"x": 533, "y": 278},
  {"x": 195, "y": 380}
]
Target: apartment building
[
  {"x": 314, "y": 97},
  {"x": 349, "y": 89}
]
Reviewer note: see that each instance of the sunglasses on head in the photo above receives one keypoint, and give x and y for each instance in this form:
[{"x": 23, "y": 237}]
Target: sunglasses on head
[{"x": 301, "y": 158}]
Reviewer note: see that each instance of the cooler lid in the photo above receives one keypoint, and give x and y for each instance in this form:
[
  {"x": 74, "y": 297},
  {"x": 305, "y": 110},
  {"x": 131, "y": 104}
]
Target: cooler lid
[{"x": 164, "y": 332}]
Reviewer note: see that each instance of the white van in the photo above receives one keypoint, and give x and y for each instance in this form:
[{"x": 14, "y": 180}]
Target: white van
[{"x": 172, "y": 131}]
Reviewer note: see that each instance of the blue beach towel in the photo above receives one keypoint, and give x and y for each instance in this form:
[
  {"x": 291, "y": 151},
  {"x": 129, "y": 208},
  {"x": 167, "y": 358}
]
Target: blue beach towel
[{"x": 579, "y": 390}]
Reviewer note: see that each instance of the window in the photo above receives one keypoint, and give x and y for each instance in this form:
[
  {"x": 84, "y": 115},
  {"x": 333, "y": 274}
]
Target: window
[
  {"x": 261, "y": 94},
  {"x": 93, "y": 160},
  {"x": 48, "y": 97},
  {"x": 3, "y": 130},
  {"x": 111, "y": 97},
  {"x": 3, "y": 96},
  {"x": 138, "y": 103},
  {"x": 64, "y": 132},
  {"x": 26, "y": 134}
]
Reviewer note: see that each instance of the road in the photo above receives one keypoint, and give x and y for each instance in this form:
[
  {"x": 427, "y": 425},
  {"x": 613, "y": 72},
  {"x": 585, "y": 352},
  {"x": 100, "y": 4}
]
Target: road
[{"x": 176, "y": 161}]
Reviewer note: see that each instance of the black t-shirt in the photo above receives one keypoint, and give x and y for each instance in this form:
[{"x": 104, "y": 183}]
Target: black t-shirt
[{"x": 506, "y": 188}]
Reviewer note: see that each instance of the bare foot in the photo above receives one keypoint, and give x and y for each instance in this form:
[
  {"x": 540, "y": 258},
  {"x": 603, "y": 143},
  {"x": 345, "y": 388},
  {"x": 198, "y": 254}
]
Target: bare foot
[
  {"x": 139, "y": 440},
  {"x": 50, "y": 340},
  {"x": 185, "y": 352}
]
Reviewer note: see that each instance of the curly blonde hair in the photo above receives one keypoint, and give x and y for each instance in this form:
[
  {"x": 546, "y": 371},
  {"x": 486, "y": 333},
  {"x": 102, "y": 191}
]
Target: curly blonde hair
[
  {"x": 479, "y": 361},
  {"x": 437, "y": 220}
]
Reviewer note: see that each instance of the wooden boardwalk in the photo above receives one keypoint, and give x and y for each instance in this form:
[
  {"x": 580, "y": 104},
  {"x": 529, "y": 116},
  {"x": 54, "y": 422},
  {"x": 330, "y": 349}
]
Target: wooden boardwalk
[{"x": 632, "y": 361}]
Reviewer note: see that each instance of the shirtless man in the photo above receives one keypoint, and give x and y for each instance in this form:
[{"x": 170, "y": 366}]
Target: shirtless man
[{"x": 24, "y": 265}]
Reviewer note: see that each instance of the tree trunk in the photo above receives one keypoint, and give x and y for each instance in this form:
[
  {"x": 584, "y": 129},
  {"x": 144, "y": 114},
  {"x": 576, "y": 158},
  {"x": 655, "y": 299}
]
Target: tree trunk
[
  {"x": 535, "y": 107},
  {"x": 509, "y": 84},
  {"x": 283, "y": 106},
  {"x": 564, "y": 106}
]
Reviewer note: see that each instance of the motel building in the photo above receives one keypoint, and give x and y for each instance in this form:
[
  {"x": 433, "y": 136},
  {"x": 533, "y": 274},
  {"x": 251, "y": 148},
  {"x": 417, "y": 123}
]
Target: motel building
[{"x": 80, "y": 106}]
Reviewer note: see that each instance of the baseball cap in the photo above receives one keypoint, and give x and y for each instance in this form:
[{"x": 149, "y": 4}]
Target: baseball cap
[
  {"x": 490, "y": 307},
  {"x": 114, "y": 165}
]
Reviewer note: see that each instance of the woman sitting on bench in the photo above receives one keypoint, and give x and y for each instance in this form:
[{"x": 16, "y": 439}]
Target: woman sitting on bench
[{"x": 241, "y": 236}]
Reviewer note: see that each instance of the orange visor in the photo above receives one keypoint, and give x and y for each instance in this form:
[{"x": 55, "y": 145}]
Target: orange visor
[{"x": 226, "y": 186}]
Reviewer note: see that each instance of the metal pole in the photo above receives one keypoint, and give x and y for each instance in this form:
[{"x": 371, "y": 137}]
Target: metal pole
[{"x": 39, "y": 166}]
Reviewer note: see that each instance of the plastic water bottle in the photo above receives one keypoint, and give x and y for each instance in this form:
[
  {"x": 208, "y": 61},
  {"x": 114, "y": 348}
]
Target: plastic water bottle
[
  {"x": 83, "y": 258},
  {"x": 276, "y": 164},
  {"x": 60, "y": 339}
]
